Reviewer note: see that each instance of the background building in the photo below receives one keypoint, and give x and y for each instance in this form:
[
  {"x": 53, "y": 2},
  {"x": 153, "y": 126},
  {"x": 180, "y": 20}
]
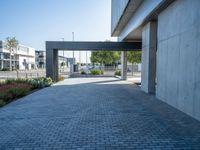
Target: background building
[
  {"x": 169, "y": 31},
  {"x": 62, "y": 62},
  {"x": 24, "y": 57},
  {"x": 40, "y": 59}
]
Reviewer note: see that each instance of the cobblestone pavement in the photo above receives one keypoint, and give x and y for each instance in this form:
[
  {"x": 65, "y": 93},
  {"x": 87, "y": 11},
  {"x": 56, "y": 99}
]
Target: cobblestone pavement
[{"x": 95, "y": 113}]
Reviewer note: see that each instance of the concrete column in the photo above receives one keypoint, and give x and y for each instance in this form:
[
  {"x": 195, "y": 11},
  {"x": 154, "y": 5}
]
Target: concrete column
[
  {"x": 149, "y": 47},
  {"x": 123, "y": 65},
  {"x": 2, "y": 64},
  {"x": 52, "y": 64}
]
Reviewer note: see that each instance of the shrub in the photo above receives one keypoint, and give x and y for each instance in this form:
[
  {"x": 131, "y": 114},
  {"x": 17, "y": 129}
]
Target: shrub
[
  {"x": 5, "y": 69},
  {"x": 18, "y": 80},
  {"x": 13, "y": 90},
  {"x": 48, "y": 81},
  {"x": 83, "y": 72},
  {"x": 96, "y": 72},
  {"x": 118, "y": 72},
  {"x": 40, "y": 82},
  {"x": 2, "y": 102},
  {"x": 20, "y": 90},
  {"x": 61, "y": 78}
]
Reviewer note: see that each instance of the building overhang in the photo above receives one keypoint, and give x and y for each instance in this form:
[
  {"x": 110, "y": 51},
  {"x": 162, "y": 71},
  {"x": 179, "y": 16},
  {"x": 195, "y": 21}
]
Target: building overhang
[
  {"x": 93, "y": 46},
  {"x": 136, "y": 14},
  {"x": 128, "y": 12}
]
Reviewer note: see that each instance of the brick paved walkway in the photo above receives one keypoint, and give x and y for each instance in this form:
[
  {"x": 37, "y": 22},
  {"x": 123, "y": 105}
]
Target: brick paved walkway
[{"x": 95, "y": 113}]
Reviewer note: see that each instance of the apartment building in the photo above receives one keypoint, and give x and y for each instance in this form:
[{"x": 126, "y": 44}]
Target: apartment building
[
  {"x": 40, "y": 59},
  {"x": 23, "y": 58}
]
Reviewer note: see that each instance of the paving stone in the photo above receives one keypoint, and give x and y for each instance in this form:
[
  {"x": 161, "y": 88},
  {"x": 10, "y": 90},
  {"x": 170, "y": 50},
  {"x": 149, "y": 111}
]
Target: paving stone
[{"x": 95, "y": 113}]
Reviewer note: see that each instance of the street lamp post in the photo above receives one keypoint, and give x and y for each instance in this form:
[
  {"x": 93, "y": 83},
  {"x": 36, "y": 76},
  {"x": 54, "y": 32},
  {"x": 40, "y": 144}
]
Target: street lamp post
[
  {"x": 86, "y": 58},
  {"x": 73, "y": 50},
  {"x": 63, "y": 39}
]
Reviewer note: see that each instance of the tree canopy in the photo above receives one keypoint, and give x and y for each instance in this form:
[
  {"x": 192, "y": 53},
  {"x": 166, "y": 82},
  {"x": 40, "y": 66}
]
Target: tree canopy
[
  {"x": 134, "y": 56},
  {"x": 105, "y": 57},
  {"x": 111, "y": 57},
  {"x": 11, "y": 43}
]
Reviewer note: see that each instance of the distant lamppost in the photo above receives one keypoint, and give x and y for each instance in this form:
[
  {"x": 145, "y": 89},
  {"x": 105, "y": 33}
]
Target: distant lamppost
[
  {"x": 63, "y": 39},
  {"x": 80, "y": 57},
  {"x": 73, "y": 50},
  {"x": 86, "y": 58}
]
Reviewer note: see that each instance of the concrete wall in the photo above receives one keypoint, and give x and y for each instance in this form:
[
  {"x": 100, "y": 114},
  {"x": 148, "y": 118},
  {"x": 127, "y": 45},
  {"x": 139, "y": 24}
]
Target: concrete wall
[
  {"x": 149, "y": 38},
  {"x": 117, "y": 9},
  {"x": 178, "y": 56},
  {"x": 139, "y": 16},
  {"x": 124, "y": 65}
]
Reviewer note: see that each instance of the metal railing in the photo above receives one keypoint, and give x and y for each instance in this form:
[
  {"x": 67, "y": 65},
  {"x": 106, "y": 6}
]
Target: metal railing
[{"x": 22, "y": 74}]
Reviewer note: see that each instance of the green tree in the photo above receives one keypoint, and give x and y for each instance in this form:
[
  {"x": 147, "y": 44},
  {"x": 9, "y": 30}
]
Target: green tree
[
  {"x": 94, "y": 57},
  {"x": 11, "y": 45},
  {"x": 116, "y": 57},
  {"x": 105, "y": 57},
  {"x": 62, "y": 64},
  {"x": 134, "y": 57}
]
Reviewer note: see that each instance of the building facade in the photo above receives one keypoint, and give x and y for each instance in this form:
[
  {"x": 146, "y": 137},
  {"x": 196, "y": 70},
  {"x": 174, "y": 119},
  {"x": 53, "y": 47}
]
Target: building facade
[
  {"x": 23, "y": 58},
  {"x": 40, "y": 59},
  {"x": 169, "y": 32},
  {"x": 62, "y": 62}
]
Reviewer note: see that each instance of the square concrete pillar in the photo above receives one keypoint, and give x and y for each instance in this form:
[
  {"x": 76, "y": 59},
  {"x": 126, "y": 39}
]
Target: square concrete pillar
[
  {"x": 149, "y": 48},
  {"x": 52, "y": 64},
  {"x": 123, "y": 65},
  {"x": 2, "y": 65}
]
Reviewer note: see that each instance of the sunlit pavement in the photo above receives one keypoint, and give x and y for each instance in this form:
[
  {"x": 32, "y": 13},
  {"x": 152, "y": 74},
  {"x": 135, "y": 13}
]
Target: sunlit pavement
[{"x": 95, "y": 113}]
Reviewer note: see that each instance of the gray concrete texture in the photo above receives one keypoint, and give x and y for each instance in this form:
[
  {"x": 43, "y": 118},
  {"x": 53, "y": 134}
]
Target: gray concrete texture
[
  {"x": 124, "y": 65},
  {"x": 138, "y": 18},
  {"x": 149, "y": 41},
  {"x": 52, "y": 64},
  {"x": 95, "y": 113},
  {"x": 178, "y": 56},
  {"x": 117, "y": 9}
]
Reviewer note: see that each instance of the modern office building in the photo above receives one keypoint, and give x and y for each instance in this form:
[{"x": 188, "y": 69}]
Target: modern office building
[
  {"x": 62, "y": 59},
  {"x": 170, "y": 34},
  {"x": 40, "y": 59},
  {"x": 23, "y": 57}
]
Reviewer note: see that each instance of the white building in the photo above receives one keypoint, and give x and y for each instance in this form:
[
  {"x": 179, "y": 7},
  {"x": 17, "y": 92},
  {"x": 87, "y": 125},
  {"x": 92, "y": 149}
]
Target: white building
[
  {"x": 24, "y": 57},
  {"x": 40, "y": 59}
]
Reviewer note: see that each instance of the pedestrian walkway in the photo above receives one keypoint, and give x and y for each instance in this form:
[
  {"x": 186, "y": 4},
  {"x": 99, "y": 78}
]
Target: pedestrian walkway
[{"x": 95, "y": 113}]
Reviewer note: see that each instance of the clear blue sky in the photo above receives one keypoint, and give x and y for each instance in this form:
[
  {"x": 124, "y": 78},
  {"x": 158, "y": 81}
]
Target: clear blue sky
[{"x": 33, "y": 22}]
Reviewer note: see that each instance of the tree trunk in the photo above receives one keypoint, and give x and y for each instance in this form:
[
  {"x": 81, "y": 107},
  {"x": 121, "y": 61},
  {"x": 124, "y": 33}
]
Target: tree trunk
[{"x": 132, "y": 69}]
